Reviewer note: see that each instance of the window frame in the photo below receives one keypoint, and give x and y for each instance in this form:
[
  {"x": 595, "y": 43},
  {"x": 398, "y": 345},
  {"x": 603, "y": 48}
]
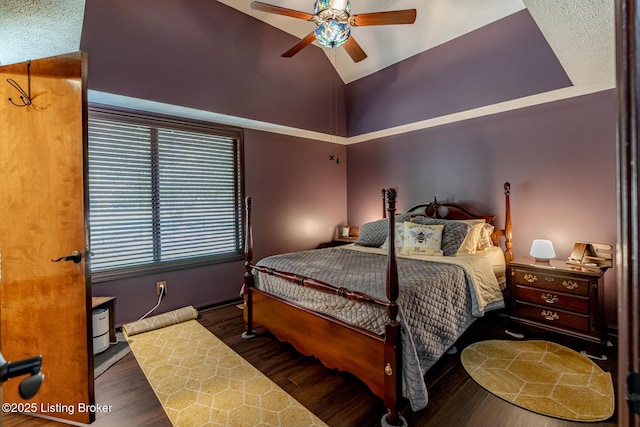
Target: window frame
[{"x": 182, "y": 124}]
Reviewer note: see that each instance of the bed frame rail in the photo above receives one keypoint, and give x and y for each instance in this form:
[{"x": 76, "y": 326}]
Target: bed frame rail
[{"x": 321, "y": 286}]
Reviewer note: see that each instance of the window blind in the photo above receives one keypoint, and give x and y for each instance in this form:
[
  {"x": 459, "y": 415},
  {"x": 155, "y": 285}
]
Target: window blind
[{"x": 162, "y": 193}]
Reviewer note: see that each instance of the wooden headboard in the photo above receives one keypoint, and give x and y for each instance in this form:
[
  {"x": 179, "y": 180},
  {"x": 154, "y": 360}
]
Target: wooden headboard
[{"x": 457, "y": 211}]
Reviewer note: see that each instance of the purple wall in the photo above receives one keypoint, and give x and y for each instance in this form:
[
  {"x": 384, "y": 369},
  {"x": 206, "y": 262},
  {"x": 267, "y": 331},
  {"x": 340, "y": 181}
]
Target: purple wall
[
  {"x": 198, "y": 287},
  {"x": 560, "y": 159},
  {"x": 208, "y": 56},
  {"x": 299, "y": 195},
  {"x": 505, "y": 60}
]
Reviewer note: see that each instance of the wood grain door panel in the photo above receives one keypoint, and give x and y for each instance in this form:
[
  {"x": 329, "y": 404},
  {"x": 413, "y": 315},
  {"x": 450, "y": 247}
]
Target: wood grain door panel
[{"x": 45, "y": 306}]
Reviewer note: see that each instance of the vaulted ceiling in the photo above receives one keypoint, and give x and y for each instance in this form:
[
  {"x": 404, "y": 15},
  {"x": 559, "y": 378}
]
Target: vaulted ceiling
[{"x": 580, "y": 33}]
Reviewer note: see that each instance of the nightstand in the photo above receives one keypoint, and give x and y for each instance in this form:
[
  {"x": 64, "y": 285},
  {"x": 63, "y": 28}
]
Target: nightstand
[
  {"x": 562, "y": 298},
  {"x": 338, "y": 241}
]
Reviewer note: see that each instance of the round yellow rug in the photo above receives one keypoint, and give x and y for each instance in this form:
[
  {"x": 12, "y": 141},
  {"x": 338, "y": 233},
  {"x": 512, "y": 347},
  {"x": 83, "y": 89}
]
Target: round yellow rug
[{"x": 543, "y": 377}]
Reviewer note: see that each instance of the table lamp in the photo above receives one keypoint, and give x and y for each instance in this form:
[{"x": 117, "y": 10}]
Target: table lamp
[{"x": 542, "y": 251}]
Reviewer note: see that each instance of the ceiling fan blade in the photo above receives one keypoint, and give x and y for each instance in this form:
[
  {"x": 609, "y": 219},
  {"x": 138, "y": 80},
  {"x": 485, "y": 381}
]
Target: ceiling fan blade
[
  {"x": 310, "y": 38},
  {"x": 407, "y": 16},
  {"x": 354, "y": 50},
  {"x": 263, "y": 7}
]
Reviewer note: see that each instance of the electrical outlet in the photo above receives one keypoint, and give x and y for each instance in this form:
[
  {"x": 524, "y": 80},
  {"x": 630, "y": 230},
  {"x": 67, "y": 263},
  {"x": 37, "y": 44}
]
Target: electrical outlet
[{"x": 159, "y": 285}]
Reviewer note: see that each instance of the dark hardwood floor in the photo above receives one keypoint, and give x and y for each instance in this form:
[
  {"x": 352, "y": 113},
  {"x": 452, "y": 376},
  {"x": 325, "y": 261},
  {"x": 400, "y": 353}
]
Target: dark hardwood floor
[{"x": 337, "y": 398}]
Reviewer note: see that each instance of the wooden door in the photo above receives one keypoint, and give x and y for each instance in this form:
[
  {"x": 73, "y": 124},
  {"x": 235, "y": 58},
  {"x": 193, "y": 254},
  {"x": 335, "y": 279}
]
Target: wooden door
[{"x": 45, "y": 306}]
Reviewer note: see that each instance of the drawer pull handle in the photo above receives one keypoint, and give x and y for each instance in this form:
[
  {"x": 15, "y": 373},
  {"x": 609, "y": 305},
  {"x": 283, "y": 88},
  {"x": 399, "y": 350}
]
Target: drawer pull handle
[
  {"x": 388, "y": 369},
  {"x": 531, "y": 278},
  {"x": 549, "y": 279},
  {"x": 549, "y": 298},
  {"x": 570, "y": 284},
  {"x": 549, "y": 315}
]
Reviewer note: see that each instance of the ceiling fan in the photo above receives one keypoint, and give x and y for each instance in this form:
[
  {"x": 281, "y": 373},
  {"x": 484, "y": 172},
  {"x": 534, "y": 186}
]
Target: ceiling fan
[{"x": 333, "y": 24}]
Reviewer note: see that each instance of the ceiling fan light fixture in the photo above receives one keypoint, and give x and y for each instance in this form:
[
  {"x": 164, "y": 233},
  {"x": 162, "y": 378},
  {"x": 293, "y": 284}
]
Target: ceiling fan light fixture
[
  {"x": 333, "y": 24},
  {"x": 332, "y": 33}
]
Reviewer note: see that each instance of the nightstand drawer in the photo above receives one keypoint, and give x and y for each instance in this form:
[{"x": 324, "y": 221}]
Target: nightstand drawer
[
  {"x": 552, "y": 282},
  {"x": 549, "y": 298},
  {"x": 553, "y": 316}
]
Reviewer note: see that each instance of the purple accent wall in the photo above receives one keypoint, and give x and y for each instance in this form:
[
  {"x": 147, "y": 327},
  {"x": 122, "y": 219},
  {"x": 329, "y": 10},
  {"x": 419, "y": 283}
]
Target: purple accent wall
[
  {"x": 299, "y": 199},
  {"x": 507, "y": 59},
  {"x": 198, "y": 287},
  {"x": 560, "y": 159},
  {"x": 299, "y": 194},
  {"x": 206, "y": 55}
]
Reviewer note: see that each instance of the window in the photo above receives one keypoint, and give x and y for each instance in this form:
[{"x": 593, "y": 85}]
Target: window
[{"x": 163, "y": 193}]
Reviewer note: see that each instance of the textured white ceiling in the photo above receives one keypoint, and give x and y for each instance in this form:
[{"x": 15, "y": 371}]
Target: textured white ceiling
[
  {"x": 31, "y": 29},
  {"x": 582, "y": 35}
]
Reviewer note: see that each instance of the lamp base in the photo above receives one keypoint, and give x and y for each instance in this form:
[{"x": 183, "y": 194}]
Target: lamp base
[{"x": 543, "y": 263}]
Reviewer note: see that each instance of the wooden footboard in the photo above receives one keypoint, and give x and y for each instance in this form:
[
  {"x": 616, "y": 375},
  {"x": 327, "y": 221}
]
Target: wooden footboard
[{"x": 341, "y": 346}]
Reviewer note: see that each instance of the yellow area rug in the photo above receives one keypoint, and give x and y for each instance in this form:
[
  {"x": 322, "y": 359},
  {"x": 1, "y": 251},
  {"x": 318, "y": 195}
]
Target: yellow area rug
[
  {"x": 200, "y": 381},
  {"x": 542, "y": 377}
]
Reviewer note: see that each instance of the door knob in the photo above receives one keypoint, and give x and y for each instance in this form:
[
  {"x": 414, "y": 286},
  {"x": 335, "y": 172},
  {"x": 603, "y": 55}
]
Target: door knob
[{"x": 75, "y": 256}]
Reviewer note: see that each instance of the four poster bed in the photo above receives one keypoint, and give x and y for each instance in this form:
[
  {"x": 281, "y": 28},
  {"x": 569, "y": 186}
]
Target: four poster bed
[{"x": 384, "y": 309}]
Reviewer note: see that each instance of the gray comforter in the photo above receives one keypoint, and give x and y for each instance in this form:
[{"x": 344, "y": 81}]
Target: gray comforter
[{"x": 437, "y": 301}]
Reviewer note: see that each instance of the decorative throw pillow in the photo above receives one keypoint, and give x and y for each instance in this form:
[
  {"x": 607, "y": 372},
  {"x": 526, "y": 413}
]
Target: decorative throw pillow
[
  {"x": 399, "y": 237},
  {"x": 373, "y": 234},
  {"x": 453, "y": 234},
  {"x": 484, "y": 240},
  {"x": 421, "y": 239}
]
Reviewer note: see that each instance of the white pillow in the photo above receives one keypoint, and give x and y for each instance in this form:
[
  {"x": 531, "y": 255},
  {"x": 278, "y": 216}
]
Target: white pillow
[
  {"x": 470, "y": 242},
  {"x": 484, "y": 240},
  {"x": 421, "y": 239}
]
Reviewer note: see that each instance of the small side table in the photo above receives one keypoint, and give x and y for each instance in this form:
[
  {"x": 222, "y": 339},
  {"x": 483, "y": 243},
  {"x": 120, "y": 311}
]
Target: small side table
[
  {"x": 344, "y": 240},
  {"x": 110, "y": 304},
  {"x": 338, "y": 241}
]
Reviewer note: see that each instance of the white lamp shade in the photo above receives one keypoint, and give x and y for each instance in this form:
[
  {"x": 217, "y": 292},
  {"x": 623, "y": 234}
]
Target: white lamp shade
[{"x": 542, "y": 250}]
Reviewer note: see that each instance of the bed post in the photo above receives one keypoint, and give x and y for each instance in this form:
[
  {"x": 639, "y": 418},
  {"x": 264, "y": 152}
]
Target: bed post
[
  {"x": 392, "y": 345},
  {"x": 384, "y": 203},
  {"x": 248, "y": 275},
  {"x": 508, "y": 255}
]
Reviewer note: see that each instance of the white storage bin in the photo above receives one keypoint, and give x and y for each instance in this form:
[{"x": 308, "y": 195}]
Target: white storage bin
[{"x": 100, "y": 330}]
